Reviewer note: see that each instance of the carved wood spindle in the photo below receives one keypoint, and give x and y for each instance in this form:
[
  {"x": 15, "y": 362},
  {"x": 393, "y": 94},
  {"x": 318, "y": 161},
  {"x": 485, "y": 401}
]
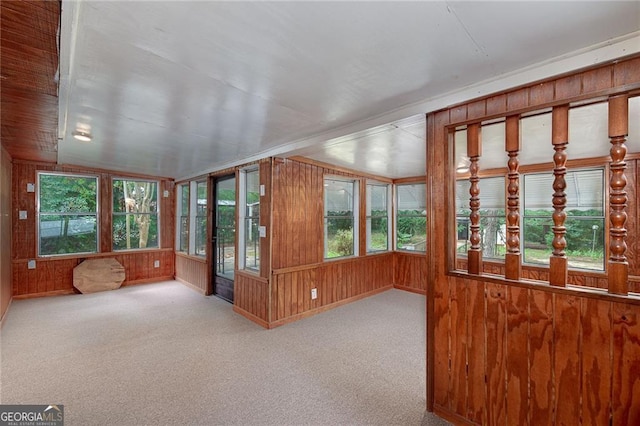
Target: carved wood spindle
[
  {"x": 618, "y": 267},
  {"x": 474, "y": 151},
  {"x": 560, "y": 140},
  {"x": 513, "y": 267}
]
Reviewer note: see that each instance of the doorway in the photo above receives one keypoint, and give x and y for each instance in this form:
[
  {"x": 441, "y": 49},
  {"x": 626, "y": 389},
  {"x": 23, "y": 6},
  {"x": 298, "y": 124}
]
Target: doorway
[{"x": 224, "y": 237}]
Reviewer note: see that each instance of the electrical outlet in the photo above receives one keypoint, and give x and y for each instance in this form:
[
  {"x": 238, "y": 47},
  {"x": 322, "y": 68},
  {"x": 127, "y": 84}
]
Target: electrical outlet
[
  {"x": 156, "y": 263},
  {"x": 22, "y": 214},
  {"x": 314, "y": 293}
]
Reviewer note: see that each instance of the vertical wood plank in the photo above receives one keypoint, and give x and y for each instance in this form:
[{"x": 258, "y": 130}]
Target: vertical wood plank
[
  {"x": 496, "y": 327},
  {"x": 567, "y": 371},
  {"x": 476, "y": 410},
  {"x": 442, "y": 316},
  {"x": 517, "y": 360},
  {"x": 626, "y": 361},
  {"x": 595, "y": 317},
  {"x": 540, "y": 359},
  {"x": 458, "y": 376}
]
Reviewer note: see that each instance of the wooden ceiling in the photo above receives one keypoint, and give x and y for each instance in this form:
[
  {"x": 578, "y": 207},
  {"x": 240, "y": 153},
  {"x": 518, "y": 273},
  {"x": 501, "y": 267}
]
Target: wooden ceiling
[{"x": 28, "y": 82}]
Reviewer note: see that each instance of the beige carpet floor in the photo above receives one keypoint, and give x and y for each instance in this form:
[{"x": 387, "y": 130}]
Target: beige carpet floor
[{"x": 162, "y": 354}]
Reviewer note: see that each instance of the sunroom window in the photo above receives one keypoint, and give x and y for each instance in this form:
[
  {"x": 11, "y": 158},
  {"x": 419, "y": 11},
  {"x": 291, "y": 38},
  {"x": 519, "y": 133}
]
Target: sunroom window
[
  {"x": 411, "y": 217},
  {"x": 585, "y": 222},
  {"x": 377, "y": 217},
  {"x": 340, "y": 232},
  {"x": 67, "y": 214},
  {"x": 135, "y": 214},
  {"x": 492, "y": 217}
]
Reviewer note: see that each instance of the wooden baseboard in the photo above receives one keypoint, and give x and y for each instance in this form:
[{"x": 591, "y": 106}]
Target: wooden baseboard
[
  {"x": 411, "y": 289},
  {"x": 44, "y": 294},
  {"x": 251, "y": 317},
  {"x": 324, "y": 308},
  {"x": 454, "y": 418},
  {"x": 154, "y": 280},
  {"x": 191, "y": 286}
]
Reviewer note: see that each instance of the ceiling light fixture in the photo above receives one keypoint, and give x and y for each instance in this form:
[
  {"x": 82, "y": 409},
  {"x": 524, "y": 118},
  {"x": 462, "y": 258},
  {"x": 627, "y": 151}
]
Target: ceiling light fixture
[{"x": 82, "y": 136}]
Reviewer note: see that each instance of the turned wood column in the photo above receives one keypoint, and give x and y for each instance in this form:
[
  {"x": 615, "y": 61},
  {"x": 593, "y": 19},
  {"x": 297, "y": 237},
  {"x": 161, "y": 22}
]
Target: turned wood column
[
  {"x": 474, "y": 151},
  {"x": 560, "y": 140},
  {"x": 513, "y": 267},
  {"x": 618, "y": 267}
]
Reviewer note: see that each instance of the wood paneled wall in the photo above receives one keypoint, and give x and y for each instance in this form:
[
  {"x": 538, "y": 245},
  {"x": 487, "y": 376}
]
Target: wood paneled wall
[
  {"x": 336, "y": 282},
  {"x": 54, "y": 275},
  {"x": 192, "y": 271},
  {"x": 295, "y": 227},
  {"x": 251, "y": 297},
  {"x": 5, "y": 231},
  {"x": 297, "y": 222},
  {"x": 518, "y": 352},
  {"x": 29, "y": 112},
  {"x": 532, "y": 356},
  {"x": 410, "y": 271}
]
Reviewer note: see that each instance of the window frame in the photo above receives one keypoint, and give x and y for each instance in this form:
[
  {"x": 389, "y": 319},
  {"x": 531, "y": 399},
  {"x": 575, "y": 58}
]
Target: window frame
[
  {"x": 243, "y": 217},
  {"x": 156, "y": 213},
  {"x": 180, "y": 215},
  {"x": 355, "y": 215},
  {"x": 40, "y": 213},
  {"x": 369, "y": 217},
  {"x": 194, "y": 217},
  {"x": 604, "y": 218},
  {"x": 397, "y": 216},
  {"x": 467, "y": 220}
]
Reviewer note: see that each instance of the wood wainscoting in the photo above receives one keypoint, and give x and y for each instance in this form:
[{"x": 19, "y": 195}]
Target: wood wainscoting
[
  {"x": 518, "y": 351},
  {"x": 511, "y": 354},
  {"x": 410, "y": 271},
  {"x": 193, "y": 272},
  {"x": 251, "y": 297},
  {"x": 54, "y": 274},
  {"x": 336, "y": 282}
]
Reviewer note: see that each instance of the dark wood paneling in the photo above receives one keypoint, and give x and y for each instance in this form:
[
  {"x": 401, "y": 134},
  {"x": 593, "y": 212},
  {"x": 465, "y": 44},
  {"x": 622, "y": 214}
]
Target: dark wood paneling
[
  {"x": 29, "y": 88},
  {"x": 496, "y": 330},
  {"x": 567, "y": 349},
  {"x": 476, "y": 410},
  {"x": 54, "y": 275},
  {"x": 551, "y": 356},
  {"x": 410, "y": 271},
  {"x": 335, "y": 281},
  {"x": 297, "y": 214},
  {"x": 458, "y": 308},
  {"x": 251, "y": 296},
  {"x": 626, "y": 364},
  {"x": 596, "y": 361},
  {"x": 517, "y": 362}
]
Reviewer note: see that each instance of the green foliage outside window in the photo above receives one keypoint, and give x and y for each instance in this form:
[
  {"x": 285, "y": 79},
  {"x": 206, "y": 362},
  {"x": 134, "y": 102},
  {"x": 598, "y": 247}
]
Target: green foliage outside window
[
  {"x": 411, "y": 230},
  {"x": 135, "y": 214},
  {"x": 67, "y": 217}
]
